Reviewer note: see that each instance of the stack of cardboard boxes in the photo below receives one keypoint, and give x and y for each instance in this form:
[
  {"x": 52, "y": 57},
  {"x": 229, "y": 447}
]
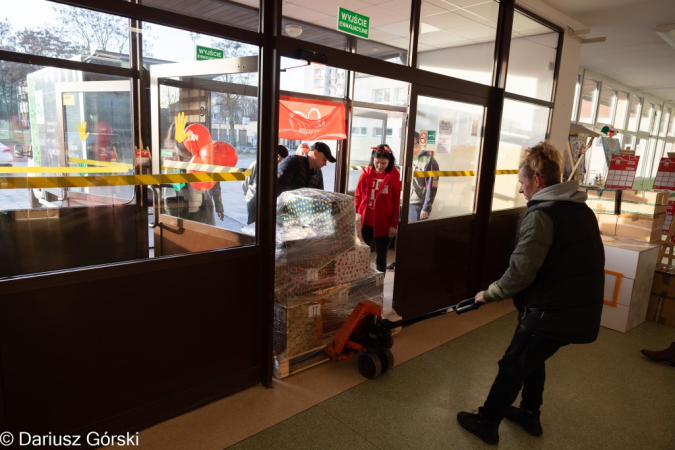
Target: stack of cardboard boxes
[
  {"x": 629, "y": 214},
  {"x": 662, "y": 297},
  {"x": 322, "y": 272}
]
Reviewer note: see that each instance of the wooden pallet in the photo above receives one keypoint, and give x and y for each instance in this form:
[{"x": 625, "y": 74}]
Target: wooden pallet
[{"x": 285, "y": 367}]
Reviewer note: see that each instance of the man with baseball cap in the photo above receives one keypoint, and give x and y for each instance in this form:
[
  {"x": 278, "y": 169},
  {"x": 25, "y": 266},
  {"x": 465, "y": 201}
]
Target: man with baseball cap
[{"x": 297, "y": 171}]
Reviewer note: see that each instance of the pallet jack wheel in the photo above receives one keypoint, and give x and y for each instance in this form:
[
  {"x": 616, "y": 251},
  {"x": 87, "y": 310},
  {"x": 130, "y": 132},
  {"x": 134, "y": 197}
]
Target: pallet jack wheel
[
  {"x": 370, "y": 365},
  {"x": 386, "y": 359}
]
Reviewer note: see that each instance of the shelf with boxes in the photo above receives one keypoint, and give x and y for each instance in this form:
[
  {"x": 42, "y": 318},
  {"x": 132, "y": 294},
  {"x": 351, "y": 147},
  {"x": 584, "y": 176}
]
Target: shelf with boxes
[
  {"x": 629, "y": 214},
  {"x": 322, "y": 272},
  {"x": 631, "y": 223}
]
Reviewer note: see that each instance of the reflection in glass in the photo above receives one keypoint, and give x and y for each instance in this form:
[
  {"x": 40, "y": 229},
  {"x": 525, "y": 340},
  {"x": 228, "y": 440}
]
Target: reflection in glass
[
  {"x": 318, "y": 22},
  {"x": 523, "y": 125},
  {"x": 532, "y": 58},
  {"x": 451, "y": 132},
  {"x": 240, "y": 14},
  {"x": 589, "y": 96},
  {"x": 316, "y": 79},
  {"x": 458, "y": 41},
  {"x": 59, "y": 118},
  {"x": 65, "y": 32}
]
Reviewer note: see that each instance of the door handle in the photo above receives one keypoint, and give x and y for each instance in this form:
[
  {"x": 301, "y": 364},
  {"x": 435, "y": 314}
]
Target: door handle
[{"x": 155, "y": 209}]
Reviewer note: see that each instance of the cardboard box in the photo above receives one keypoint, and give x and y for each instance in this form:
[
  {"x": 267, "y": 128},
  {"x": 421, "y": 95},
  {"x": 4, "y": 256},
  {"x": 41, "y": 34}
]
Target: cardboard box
[
  {"x": 640, "y": 228},
  {"x": 644, "y": 203},
  {"x": 661, "y": 309},
  {"x": 664, "y": 283},
  {"x": 607, "y": 224},
  {"x": 602, "y": 201},
  {"x": 297, "y": 328}
]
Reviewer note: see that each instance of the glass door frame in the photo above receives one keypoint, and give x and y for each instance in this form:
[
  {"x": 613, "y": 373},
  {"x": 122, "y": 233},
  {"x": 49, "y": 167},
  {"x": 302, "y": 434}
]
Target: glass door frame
[{"x": 482, "y": 202}]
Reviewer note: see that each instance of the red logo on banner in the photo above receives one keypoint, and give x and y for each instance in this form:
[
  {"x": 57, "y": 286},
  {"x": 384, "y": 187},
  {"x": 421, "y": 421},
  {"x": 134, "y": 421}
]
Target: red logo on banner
[
  {"x": 665, "y": 177},
  {"x": 622, "y": 172},
  {"x": 311, "y": 120},
  {"x": 669, "y": 217}
]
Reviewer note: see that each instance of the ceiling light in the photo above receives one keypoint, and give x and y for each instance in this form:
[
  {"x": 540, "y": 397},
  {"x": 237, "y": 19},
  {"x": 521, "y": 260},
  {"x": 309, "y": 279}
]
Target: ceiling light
[
  {"x": 293, "y": 30},
  {"x": 667, "y": 33}
]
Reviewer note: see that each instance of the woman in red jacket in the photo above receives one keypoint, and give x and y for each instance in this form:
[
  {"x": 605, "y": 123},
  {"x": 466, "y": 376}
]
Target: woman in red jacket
[{"x": 377, "y": 198}]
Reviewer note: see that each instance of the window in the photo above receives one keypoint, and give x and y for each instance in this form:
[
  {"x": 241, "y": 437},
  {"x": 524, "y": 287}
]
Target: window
[
  {"x": 459, "y": 41},
  {"x": 657, "y": 120},
  {"x": 381, "y": 95},
  {"x": 575, "y": 105},
  {"x": 523, "y": 125},
  {"x": 633, "y": 112},
  {"x": 621, "y": 109},
  {"x": 359, "y": 131},
  {"x": 400, "y": 96},
  {"x": 665, "y": 120},
  {"x": 589, "y": 97},
  {"x": 646, "y": 116},
  {"x": 606, "y": 105},
  {"x": 377, "y": 132},
  {"x": 532, "y": 58},
  {"x": 390, "y": 132}
]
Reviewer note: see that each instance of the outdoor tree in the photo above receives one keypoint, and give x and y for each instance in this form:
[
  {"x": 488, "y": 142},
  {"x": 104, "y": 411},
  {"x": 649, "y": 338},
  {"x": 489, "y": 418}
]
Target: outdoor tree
[{"x": 93, "y": 30}]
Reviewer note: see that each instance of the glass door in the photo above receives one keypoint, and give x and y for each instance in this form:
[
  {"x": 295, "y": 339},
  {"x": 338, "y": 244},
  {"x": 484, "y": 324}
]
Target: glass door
[
  {"x": 435, "y": 239},
  {"x": 204, "y": 134}
]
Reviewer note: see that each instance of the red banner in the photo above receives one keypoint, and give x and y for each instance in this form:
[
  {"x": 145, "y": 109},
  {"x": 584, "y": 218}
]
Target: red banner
[
  {"x": 622, "y": 172},
  {"x": 311, "y": 120}
]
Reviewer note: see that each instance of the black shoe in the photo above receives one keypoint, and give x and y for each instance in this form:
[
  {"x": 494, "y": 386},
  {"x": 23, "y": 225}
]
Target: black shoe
[
  {"x": 529, "y": 421},
  {"x": 392, "y": 266},
  {"x": 478, "y": 425}
]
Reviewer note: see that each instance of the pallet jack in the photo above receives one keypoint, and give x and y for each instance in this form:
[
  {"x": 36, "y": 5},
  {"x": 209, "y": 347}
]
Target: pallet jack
[{"x": 367, "y": 332}]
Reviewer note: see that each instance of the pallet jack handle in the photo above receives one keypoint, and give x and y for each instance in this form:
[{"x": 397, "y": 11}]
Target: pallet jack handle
[{"x": 466, "y": 305}]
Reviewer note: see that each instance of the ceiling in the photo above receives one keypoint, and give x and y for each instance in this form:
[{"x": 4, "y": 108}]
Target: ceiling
[{"x": 632, "y": 54}]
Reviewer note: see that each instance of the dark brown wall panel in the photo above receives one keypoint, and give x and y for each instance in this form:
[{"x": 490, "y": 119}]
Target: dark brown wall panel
[{"x": 96, "y": 351}]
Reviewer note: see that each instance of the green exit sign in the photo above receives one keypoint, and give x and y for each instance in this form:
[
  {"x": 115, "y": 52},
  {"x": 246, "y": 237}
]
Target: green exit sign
[
  {"x": 204, "y": 53},
  {"x": 353, "y": 23}
]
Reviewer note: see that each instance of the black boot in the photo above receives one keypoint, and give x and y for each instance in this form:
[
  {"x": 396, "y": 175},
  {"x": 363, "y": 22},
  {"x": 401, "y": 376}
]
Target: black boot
[
  {"x": 526, "y": 419},
  {"x": 667, "y": 355},
  {"x": 477, "y": 424}
]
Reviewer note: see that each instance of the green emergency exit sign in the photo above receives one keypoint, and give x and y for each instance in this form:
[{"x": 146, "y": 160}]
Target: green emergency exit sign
[
  {"x": 204, "y": 53},
  {"x": 353, "y": 23}
]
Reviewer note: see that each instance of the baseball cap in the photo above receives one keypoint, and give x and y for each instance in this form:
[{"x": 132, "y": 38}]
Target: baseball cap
[{"x": 325, "y": 149}]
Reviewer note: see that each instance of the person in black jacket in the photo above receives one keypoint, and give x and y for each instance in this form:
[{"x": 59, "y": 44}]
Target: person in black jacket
[
  {"x": 556, "y": 279},
  {"x": 297, "y": 171}
]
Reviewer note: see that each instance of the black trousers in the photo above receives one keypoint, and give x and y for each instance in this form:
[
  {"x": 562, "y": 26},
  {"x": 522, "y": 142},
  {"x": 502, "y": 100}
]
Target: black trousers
[
  {"x": 381, "y": 246},
  {"x": 522, "y": 367}
]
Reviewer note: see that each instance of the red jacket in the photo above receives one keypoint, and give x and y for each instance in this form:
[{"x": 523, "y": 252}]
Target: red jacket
[{"x": 386, "y": 205}]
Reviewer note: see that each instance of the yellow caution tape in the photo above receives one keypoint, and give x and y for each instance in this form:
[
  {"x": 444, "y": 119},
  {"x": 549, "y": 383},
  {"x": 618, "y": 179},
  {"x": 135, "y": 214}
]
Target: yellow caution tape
[
  {"x": 506, "y": 172},
  {"x": 114, "y": 180},
  {"x": 203, "y": 167},
  {"x": 112, "y": 169},
  {"x": 100, "y": 163},
  {"x": 444, "y": 173}
]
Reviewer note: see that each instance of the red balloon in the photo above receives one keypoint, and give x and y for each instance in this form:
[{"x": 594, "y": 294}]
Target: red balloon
[
  {"x": 219, "y": 153},
  {"x": 198, "y": 137},
  {"x": 201, "y": 186}
]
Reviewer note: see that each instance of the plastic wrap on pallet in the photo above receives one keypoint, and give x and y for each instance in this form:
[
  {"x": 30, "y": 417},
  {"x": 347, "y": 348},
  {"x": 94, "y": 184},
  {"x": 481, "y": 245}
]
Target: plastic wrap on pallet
[
  {"x": 297, "y": 328},
  {"x": 335, "y": 304},
  {"x": 313, "y": 224},
  {"x": 338, "y": 307},
  {"x": 292, "y": 280}
]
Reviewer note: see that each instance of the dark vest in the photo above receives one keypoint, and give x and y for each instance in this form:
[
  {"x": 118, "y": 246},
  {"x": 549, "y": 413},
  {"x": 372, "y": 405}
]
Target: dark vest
[{"x": 565, "y": 300}]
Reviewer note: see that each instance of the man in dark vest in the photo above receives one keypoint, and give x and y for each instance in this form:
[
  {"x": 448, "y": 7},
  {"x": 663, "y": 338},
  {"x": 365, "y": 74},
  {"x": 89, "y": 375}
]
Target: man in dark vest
[{"x": 556, "y": 279}]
